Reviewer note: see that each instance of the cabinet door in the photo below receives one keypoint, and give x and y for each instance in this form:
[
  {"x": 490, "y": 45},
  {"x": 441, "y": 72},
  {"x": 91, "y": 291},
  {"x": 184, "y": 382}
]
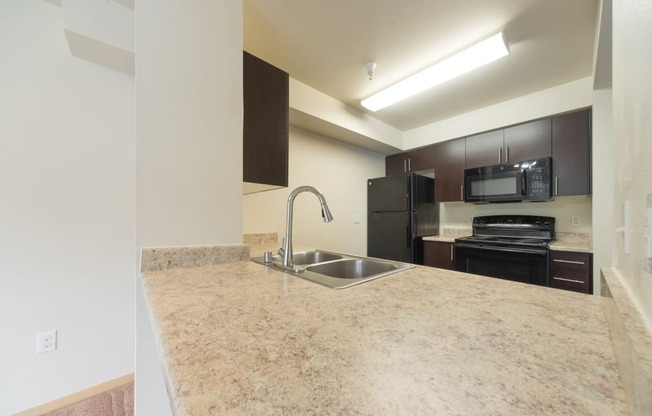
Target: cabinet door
[
  {"x": 266, "y": 123},
  {"x": 449, "y": 170},
  {"x": 571, "y": 271},
  {"x": 484, "y": 149},
  {"x": 571, "y": 153},
  {"x": 438, "y": 254},
  {"x": 395, "y": 164},
  {"x": 421, "y": 159},
  {"x": 412, "y": 161},
  {"x": 527, "y": 141}
]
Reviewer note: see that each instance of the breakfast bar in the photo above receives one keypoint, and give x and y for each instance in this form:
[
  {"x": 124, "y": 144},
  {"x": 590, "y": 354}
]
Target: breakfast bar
[{"x": 240, "y": 338}]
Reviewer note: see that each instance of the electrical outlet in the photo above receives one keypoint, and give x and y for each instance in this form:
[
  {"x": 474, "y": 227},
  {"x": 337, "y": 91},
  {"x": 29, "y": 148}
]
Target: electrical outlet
[
  {"x": 576, "y": 220},
  {"x": 46, "y": 341}
]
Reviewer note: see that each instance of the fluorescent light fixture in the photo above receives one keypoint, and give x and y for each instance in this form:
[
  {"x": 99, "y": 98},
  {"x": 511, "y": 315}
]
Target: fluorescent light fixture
[{"x": 467, "y": 60}]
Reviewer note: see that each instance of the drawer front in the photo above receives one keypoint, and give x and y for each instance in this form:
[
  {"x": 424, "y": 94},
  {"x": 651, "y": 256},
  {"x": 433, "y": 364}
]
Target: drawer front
[{"x": 571, "y": 271}]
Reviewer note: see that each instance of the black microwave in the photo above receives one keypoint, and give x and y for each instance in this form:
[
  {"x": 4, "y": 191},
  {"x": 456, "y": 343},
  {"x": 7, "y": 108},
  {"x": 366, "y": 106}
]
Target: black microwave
[{"x": 530, "y": 180}]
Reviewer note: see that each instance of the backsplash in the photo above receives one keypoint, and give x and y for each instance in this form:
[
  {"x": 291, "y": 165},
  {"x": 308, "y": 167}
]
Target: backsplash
[{"x": 458, "y": 214}]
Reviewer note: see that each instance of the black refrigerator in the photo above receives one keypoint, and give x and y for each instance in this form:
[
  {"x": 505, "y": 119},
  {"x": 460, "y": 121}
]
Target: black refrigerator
[{"x": 401, "y": 210}]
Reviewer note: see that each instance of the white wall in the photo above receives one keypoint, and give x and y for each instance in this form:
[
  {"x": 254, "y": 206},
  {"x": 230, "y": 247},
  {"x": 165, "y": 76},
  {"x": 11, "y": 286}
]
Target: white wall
[
  {"x": 456, "y": 214},
  {"x": 189, "y": 145},
  {"x": 559, "y": 99},
  {"x": 340, "y": 171},
  {"x": 67, "y": 212},
  {"x": 603, "y": 183},
  {"x": 189, "y": 122},
  {"x": 632, "y": 124}
]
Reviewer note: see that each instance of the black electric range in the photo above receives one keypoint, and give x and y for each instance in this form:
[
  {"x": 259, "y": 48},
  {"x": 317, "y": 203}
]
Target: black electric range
[{"x": 512, "y": 247}]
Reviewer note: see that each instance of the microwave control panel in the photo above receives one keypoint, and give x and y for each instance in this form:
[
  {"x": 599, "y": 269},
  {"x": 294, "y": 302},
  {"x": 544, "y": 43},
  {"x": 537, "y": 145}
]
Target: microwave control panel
[{"x": 539, "y": 183}]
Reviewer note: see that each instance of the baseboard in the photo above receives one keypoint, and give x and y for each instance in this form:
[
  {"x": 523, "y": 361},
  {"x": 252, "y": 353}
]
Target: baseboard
[{"x": 77, "y": 397}]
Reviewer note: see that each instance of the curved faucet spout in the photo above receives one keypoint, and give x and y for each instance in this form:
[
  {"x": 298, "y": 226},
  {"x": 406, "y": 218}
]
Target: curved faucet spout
[{"x": 286, "y": 250}]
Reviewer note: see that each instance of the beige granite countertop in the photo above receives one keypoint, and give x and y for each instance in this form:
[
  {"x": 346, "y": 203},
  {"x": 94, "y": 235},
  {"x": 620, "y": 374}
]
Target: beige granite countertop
[
  {"x": 573, "y": 242},
  {"x": 448, "y": 235},
  {"x": 240, "y": 338}
]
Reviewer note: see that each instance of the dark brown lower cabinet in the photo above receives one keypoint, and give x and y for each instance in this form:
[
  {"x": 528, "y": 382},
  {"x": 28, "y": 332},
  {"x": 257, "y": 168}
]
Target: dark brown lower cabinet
[
  {"x": 571, "y": 270},
  {"x": 438, "y": 254}
]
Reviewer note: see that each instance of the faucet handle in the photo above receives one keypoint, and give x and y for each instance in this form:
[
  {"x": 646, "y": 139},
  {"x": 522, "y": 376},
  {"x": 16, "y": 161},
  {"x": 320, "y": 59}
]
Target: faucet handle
[{"x": 281, "y": 251}]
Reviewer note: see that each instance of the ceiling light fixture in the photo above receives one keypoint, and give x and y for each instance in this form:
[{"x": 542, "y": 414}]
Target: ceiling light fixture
[{"x": 467, "y": 60}]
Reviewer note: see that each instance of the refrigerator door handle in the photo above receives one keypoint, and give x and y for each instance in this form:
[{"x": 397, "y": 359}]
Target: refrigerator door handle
[{"x": 408, "y": 228}]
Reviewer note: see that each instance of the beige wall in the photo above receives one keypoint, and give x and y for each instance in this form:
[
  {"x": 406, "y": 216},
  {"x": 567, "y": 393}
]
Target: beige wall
[
  {"x": 632, "y": 127},
  {"x": 339, "y": 171},
  {"x": 456, "y": 214}
]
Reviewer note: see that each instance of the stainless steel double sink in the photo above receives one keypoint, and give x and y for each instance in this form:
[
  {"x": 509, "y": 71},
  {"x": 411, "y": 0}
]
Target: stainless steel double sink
[{"x": 336, "y": 270}]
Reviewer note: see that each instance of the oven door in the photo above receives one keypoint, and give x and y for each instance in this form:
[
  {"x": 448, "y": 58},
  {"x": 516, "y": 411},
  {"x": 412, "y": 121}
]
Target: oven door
[
  {"x": 516, "y": 264},
  {"x": 500, "y": 183}
]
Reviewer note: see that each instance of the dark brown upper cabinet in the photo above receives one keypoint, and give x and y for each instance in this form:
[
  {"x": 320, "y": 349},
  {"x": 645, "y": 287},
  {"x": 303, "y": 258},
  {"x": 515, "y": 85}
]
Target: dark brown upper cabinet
[
  {"x": 571, "y": 153},
  {"x": 412, "y": 161},
  {"x": 527, "y": 141},
  {"x": 266, "y": 125},
  {"x": 566, "y": 137},
  {"x": 449, "y": 170},
  {"x": 484, "y": 149},
  {"x": 512, "y": 144}
]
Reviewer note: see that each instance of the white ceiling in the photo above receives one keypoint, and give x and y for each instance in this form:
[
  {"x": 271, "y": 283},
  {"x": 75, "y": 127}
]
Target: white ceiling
[{"x": 326, "y": 43}]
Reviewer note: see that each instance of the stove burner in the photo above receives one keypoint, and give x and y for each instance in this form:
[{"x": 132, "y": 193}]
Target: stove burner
[{"x": 511, "y": 231}]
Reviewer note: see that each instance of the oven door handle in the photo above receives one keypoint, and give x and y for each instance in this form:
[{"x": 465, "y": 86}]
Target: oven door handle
[{"x": 504, "y": 249}]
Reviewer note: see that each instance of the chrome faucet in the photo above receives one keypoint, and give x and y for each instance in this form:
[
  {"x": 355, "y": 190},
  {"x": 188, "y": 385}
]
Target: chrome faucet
[{"x": 286, "y": 250}]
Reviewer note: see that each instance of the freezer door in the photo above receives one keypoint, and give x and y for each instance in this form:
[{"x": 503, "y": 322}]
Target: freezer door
[
  {"x": 390, "y": 193},
  {"x": 390, "y": 236},
  {"x": 423, "y": 189}
]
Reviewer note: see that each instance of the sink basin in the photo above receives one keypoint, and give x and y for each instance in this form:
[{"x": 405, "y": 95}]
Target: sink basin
[
  {"x": 353, "y": 268},
  {"x": 337, "y": 271},
  {"x": 305, "y": 258}
]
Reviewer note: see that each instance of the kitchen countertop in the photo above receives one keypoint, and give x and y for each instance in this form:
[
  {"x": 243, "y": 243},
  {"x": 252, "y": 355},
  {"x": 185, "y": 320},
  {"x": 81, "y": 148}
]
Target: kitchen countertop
[
  {"x": 573, "y": 242},
  {"x": 448, "y": 235},
  {"x": 240, "y": 338}
]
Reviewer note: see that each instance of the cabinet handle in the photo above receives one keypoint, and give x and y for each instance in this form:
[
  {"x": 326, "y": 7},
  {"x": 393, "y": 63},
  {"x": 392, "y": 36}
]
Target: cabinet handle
[
  {"x": 500, "y": 154},
  {"x": 410, "y": 165},
  {"x": 568, "y": 261},
  {"x": 404, "y": 165},
  {"x": 451, "y": 253},
  {"x": 506, "y": 154},
  {"x": 568, "y": 280},
  {"x": 556, "y": 185},
  {"x": 462, "y": 192}
]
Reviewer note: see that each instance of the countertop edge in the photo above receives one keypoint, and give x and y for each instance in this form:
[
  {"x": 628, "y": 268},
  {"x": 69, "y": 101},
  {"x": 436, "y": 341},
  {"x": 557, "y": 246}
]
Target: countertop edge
[{"x": 631, "y": 341}]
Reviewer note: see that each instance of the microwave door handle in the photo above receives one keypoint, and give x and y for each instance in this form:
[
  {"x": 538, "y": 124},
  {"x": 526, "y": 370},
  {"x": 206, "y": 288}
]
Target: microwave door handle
[{"x": 524, "y": 182}]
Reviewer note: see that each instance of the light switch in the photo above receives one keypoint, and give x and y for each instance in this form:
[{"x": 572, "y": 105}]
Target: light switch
[
  {"x": 356, "y": 218},
  {"x": 624, "y": 228}
]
